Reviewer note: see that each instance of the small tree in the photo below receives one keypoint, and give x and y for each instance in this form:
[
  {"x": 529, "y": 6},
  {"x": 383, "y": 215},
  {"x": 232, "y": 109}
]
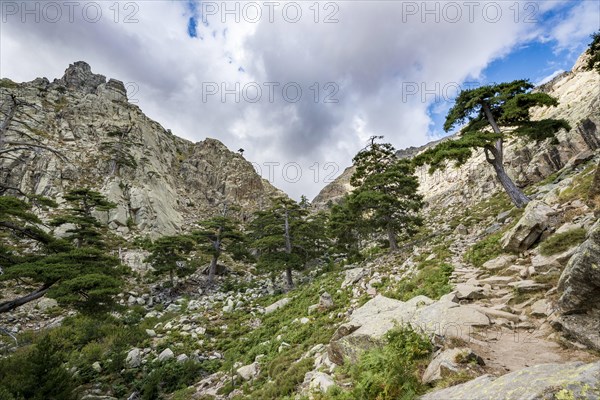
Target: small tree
[
  {"x": 386, "y": 192},
  {"x": 214, "y": 236},
  {"x": 492, "y": 114},
  {"x": 169, "y": 254},
  {"x": 594, "y": 52}
]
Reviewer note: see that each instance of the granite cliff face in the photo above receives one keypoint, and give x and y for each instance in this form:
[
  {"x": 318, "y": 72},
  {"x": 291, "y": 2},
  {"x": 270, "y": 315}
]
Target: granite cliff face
[
  {"x": 578, "y": 93},
  {"x": 159, "y": 181}
]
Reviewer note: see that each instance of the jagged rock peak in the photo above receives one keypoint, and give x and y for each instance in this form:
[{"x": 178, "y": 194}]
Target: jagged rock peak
[{"x": 79, "y": 76}]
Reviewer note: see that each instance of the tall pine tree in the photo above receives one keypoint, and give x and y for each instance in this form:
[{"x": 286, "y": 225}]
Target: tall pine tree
[{"x": 386, "y": 194}]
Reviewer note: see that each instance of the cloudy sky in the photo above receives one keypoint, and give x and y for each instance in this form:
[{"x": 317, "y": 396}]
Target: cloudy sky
[{"x": 300, "y": 86}]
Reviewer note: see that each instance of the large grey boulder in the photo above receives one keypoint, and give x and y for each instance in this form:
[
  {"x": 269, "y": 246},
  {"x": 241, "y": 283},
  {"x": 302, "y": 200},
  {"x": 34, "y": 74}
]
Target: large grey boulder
[
  {"x": 530, "y": 227},
  {"x": 579, "y": 283},
  {"x": 134, "y": 358},
  {"x": 369, "y": 324},
  {"x": 540, "y": 382},
  {"x": 579, "y": 288}
]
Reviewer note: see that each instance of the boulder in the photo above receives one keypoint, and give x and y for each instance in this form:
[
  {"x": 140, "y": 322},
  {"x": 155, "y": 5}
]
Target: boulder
[
  {"x": 320, "y": 382},
  {"x": 544, "y": 382},
  {"x": 352, "y": 276},
  {"x": 277, "y": 305},
  {"x": 499, "y": 263},
  {"x": 541, "y": 308},
  {"x": 527, "y": 231},
  {"x": 579, "y": 283},
  {"x": 46, "y": 304},
  {"x": 134, "y": 358},
  {"x": 447, "y": 362},
  {"x": 248, "y": 372},
  {"x": 468, "y": 292},
  {"x": 325, "y": 301},
  {"x": 165, "y": 355},
  {"x": 369, "y": 324}
]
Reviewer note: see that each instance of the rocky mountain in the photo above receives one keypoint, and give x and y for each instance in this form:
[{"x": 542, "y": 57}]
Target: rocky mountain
[
  {"x": 578, "y": 93},
  {"x": 86, "y": 133}
]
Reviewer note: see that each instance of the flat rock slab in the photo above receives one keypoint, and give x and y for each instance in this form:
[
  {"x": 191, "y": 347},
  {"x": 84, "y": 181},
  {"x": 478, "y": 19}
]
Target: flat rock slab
[
  {"x": 543, "y": 382},
  {"x": 528, "y": 286},
  {"x": 369, "y": 324}
]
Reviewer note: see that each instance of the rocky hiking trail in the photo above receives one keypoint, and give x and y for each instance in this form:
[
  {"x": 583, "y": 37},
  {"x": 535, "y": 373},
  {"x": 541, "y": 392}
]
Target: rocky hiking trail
[{"x": 519, "y": 334}]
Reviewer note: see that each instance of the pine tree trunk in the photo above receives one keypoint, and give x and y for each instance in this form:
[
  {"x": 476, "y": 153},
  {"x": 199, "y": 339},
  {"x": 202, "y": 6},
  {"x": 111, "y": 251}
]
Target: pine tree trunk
[
  {"x": 516, "y": 195},
  {"x": 212, "y": 270},
  {"x": 288, "y": 277},
  {"x": 392, "y": 239},
  {"x": 519, "y": 199}
]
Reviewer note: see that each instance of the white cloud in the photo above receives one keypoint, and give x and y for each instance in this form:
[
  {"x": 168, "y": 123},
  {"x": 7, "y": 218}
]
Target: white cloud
[{"x": 374, "y": 54}]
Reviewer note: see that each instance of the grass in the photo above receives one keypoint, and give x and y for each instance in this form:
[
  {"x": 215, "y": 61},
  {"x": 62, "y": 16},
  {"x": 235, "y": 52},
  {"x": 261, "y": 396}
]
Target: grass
[
  {"x": 560, "y": 242},
  {"x": 581, "y": 186},
  {"x": 431, "y": 279},
  {"x": 484, "y": 250}
]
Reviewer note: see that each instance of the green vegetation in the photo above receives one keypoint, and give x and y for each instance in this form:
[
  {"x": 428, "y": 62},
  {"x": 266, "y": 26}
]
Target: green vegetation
[
  {"x": 503, "y": 108},
  {"x": 484, "y": 250},
  {"x": 581, "y": 186},
  {"x": 76, "y": 270},
  {"x": 388, "y": 373},
  {"x": 594, "y": 52},
  {"x": 431, "y": 279},
  {"x": 560, "y": 242}
]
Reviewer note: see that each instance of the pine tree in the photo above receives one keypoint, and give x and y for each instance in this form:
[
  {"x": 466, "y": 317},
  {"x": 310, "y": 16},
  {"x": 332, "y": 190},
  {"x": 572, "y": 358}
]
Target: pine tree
[
  {"x": 594, "y": 53},
  {"x": 215, "y": 236},
  {"x": 83, "y": 276},
  {"x": 276, "y": 236},
  {"x": 169, "y": 254},
  {"x": 386, "y": 195},
  {"x": 83, "y": 202},
  {"x": 492, "y": 114},
  {"x": 344, "y": 226}
]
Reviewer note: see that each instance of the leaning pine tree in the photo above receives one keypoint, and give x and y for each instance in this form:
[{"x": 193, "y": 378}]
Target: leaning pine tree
[{"x": 493, "y": 114}]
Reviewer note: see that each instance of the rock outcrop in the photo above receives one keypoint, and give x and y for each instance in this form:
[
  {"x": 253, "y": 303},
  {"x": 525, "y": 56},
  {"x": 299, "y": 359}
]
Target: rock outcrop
[
  {"x": 544, "y": 382},
  {"x": 369, "y": 324},
  {"x": 530, "y": 227},
  {"x": 159, "y": 181},
  {"x": 579, "y": 289}
]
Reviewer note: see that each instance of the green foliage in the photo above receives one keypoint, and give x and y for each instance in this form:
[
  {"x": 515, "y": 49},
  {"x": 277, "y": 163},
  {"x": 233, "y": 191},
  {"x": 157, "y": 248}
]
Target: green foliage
[
  {"x": 484, "y": 250},
  {"x": 36, "y": 372},
  {"x": 78, "y": 274},
  {"x": 594, "y": 52},
  {"x": 385, "y": 198},
  {"x": 287, "y": 375},
  {"x": 169, "y": 377},
  {"x": 345, "y": 227},
  {"x": 432, "y": 281},
  {"x": 169, "y": 254},
  {"x": 391, "y": 372},
  {"x": 83, "y": 202},
  {"x": 8, "y": 84},
  {"x": 505, "y": 109},
  {"x": 287, "y": 237},
  {"x": 560, "y": 242}
]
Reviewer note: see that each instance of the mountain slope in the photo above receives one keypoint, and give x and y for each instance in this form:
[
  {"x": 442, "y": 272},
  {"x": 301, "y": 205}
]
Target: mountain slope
[{"x": 159, "y": 181}]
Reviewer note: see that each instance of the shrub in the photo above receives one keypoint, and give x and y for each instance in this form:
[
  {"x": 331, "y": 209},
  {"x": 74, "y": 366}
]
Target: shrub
[
  {"x": 484, "y": 250},
  {"x": 391, "y": 372}
]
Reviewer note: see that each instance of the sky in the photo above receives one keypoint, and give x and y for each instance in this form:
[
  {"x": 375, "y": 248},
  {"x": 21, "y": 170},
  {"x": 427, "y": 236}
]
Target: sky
[{"x": 300, "y": 86}]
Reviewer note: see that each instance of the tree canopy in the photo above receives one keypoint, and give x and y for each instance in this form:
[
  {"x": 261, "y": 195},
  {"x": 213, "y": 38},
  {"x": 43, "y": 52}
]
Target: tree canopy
[{"x": 487, "y": 116}]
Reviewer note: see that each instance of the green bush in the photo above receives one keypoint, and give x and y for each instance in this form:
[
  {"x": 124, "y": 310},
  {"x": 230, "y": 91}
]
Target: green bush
[
  {"x": 560, "y": 242},
  {"x": 391, "y": 372},
  {"x": 431, "y": 281},
  {"x": 484, "y": 250}
]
